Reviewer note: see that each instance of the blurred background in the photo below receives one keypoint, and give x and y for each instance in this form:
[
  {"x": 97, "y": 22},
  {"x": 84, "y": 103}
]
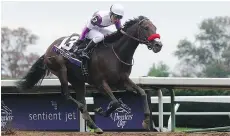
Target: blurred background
[{"x": 195, "y": 34}]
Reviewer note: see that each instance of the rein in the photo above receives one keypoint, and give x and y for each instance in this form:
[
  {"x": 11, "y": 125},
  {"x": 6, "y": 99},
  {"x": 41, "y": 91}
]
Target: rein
[
  {"x": 122, "y": 60},
  {"x": 137, "y": 39}
]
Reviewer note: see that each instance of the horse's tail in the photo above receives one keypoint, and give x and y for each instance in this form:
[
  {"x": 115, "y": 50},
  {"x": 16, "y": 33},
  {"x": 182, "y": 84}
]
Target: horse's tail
[{"x": 37, "y": 72}]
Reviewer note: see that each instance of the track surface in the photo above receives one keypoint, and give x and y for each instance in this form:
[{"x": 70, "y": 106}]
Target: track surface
[{"x": 37, "y": 133}]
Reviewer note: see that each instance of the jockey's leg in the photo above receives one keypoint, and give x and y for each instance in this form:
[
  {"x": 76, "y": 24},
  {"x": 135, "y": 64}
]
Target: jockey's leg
[
  {"x": 95, "y": 37},
  {"x": 89, "y": 46}
]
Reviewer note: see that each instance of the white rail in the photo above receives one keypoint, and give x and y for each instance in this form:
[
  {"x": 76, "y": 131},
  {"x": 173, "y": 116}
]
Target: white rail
[{"x": 166, "y": 82}]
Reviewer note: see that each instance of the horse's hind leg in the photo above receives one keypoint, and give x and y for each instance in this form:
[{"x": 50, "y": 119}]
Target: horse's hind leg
[
  {"x": 79, "y": 88},
  {"x": 61, "y": 73},
  {"x": 57, "y": 67}
]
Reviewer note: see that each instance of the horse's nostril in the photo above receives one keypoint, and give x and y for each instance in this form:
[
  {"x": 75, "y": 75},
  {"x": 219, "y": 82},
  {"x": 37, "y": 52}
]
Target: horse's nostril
[{"x": 158, "y": 45}]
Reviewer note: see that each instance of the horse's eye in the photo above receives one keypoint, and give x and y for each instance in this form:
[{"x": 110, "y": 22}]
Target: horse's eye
[{"x": 146, "y": 28}]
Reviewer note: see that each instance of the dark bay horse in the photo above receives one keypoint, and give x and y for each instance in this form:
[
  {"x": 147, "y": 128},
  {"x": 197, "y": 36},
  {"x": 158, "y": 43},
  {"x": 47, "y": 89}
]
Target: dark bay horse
[{"x": 109, "y": 67}]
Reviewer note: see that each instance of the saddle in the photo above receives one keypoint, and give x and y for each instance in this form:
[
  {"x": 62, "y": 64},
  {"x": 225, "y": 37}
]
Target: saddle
[{"x": 71, "y": 51}]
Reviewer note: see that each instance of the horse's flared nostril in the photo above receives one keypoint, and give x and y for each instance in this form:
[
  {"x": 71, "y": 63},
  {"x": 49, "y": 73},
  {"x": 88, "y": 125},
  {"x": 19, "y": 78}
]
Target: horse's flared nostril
[{"x": 158, "y": 45}]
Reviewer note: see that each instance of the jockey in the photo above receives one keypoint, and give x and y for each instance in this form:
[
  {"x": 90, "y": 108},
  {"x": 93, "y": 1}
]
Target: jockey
[{"x": 94, "y": 29}]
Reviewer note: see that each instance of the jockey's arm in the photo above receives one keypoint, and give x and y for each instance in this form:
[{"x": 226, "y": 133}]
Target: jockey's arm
[{"x": 96, "y": 20}]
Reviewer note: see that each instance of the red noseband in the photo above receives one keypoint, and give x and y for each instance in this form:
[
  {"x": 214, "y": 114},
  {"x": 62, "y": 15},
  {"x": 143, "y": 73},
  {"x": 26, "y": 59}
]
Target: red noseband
[{"x": 153, "y": 36}]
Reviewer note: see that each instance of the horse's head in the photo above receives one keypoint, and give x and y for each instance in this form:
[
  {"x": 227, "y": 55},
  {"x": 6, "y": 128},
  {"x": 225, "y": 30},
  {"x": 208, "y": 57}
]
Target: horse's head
[{"x": 145, "y": 32}]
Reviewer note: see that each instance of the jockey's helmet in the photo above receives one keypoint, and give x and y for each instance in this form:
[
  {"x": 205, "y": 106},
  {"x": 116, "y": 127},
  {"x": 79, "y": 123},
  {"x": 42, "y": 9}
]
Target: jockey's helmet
[{"x": 117, "y": 10}]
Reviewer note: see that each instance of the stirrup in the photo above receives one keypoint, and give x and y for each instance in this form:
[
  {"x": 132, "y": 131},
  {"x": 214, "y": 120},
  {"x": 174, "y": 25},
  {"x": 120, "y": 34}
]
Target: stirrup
[{"x": 84, "y": 54}]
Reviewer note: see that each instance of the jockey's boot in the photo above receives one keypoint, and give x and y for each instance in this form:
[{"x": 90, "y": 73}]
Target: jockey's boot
[
  {"x": 76, "y": 45},
  {"x": 89, "y": 46}
]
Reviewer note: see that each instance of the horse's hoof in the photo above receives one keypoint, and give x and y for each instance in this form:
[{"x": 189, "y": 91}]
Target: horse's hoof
[
  {"x": 155, "y": 129},
  {"x": 98, "y": 131},
  {"x": 99, "y": 111},
  {"x": 145, "y": 124}
]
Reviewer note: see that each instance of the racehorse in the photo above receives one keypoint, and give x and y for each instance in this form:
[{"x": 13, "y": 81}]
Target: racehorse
[{"x": 109, "y": 66}]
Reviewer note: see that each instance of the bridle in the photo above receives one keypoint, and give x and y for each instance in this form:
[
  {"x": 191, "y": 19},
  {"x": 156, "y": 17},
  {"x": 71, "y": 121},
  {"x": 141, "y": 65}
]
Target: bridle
[{"x": 145, "y": 41}]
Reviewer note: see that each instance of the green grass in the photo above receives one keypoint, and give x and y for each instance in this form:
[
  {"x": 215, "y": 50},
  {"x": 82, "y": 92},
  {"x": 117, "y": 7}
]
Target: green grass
[{"x": 183, "y": 129}]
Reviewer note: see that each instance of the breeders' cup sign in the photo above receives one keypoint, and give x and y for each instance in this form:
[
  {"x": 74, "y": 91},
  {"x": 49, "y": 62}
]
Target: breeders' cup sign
[
  {"x": 121, "y": 115},
  {"x": 39, "y": 112},
  {"x": 128, "y": 116},
  {"x": 6, "y": 115}
]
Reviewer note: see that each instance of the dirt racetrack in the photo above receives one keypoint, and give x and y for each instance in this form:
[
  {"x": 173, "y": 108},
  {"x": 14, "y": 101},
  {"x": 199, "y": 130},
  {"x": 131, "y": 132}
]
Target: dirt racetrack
[{"x": 37, "y": 133}]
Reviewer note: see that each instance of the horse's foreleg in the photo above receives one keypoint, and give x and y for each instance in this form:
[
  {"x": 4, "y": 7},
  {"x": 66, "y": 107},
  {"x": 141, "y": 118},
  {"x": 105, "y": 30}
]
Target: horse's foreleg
[
  {"x": 114, "y": 104},
  {"x": 130, "y": 85}
]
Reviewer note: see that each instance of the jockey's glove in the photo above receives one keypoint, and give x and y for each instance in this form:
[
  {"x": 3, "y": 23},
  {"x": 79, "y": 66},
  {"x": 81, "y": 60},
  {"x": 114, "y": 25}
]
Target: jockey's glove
[{"x": 119, "y": 29}]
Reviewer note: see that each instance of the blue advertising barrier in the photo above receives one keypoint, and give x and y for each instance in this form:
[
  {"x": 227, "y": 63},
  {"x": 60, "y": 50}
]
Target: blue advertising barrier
[
  {"x": 127, "y": 117},
  {"x": 39, "y": 112}
]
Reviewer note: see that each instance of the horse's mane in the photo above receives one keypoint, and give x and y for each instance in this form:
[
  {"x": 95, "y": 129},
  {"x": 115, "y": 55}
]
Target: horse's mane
[{"x": 117, "y": 34}]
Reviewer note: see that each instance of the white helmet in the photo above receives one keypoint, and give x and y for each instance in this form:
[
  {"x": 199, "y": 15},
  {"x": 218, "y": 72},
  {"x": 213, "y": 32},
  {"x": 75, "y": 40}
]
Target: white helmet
[{"x": 117, "y": 9}]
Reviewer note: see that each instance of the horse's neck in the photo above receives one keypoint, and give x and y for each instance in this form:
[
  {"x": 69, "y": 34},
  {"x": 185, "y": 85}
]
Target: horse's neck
[{"x": 125, "y": 48}]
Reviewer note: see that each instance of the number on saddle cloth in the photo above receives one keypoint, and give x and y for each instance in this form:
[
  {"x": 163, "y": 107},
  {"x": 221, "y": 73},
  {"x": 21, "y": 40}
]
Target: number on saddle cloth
[{"x": 68, "y": 42}]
